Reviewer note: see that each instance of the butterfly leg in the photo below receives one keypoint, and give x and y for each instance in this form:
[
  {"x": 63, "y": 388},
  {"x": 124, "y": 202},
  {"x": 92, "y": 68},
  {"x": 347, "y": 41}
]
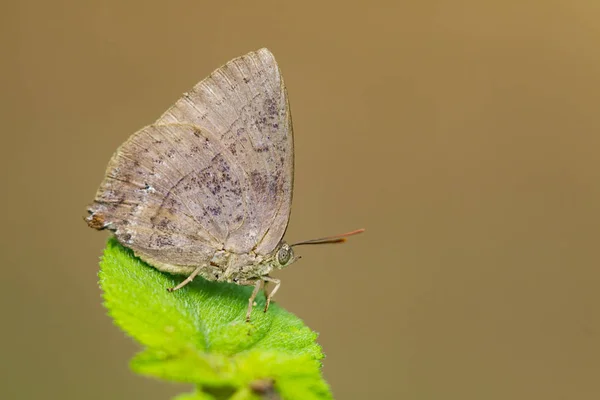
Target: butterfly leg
[
  {"x": 256, "y": 284},
  {"x": 186, "y": 280},
  {"x": 277, "y": 283}
]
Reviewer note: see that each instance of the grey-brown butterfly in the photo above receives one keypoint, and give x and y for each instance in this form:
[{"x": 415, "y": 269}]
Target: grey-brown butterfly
[{"x": 207, "y": 188}]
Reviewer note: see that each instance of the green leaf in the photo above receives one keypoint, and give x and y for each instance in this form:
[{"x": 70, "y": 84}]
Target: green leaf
[{"x": 198, "y": 334}]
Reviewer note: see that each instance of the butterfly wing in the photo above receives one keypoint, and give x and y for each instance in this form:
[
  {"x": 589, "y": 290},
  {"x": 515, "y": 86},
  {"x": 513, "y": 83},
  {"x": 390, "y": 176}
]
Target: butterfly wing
[
  {"x": 244, "y": 105},
  {"x": 214, "y": 172}
]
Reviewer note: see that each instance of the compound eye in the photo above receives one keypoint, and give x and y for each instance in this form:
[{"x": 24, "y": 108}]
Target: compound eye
[{"x": 284, "y": 254}]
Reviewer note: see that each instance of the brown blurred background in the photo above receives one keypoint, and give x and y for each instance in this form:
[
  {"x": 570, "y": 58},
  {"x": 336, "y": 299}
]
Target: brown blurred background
[{"x": 463, "y": 135}]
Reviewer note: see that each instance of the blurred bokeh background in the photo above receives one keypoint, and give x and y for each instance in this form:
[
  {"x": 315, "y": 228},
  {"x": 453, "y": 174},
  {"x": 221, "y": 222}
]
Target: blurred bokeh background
[{"x": 464, "y": 135}]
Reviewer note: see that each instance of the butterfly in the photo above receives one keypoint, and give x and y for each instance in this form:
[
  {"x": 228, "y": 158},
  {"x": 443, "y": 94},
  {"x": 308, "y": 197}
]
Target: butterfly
[{"x": 206, "y": 190}]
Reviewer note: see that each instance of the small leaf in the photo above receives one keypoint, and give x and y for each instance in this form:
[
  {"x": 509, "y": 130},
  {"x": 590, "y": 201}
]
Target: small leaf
[{"x": 198, "y": 334}]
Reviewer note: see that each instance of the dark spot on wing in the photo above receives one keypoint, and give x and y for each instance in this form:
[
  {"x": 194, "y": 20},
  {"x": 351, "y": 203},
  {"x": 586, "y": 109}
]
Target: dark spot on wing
[
  {"x": 258, "y": 181},
  {"x": 260, "y": 122},
  {"x": 161, "y": 241},
  {"x": 214, "y": 211},
  {"x": 237, "y": 190},
  {"x": 216, "y": 176},
  {"x": 172, "y": 204},
  {"x": 232, "y": 149},
  {"x": 274, "y": 187},
  {"x": 96, "y": 221},
  {"x": 271, "y": 108},
  {"x": 163, "y": 224}
]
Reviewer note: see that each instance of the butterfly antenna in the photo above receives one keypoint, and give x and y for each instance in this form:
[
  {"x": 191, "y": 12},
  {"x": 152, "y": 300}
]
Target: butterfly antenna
[{"x": 330, "y": 239}]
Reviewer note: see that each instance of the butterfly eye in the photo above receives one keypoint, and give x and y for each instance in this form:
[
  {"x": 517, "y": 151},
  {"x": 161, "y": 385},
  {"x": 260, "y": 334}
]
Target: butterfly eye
[{"x": 284, "y": 254}]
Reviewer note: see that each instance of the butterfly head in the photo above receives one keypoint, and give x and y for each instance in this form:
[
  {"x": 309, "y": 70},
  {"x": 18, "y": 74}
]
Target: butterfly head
[{"x": 284, "y": 256}]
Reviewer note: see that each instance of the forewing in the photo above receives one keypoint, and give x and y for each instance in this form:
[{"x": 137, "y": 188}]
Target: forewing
[
  {"x": 244, "y": 106},
  {"x": 172, "y": 194}
]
